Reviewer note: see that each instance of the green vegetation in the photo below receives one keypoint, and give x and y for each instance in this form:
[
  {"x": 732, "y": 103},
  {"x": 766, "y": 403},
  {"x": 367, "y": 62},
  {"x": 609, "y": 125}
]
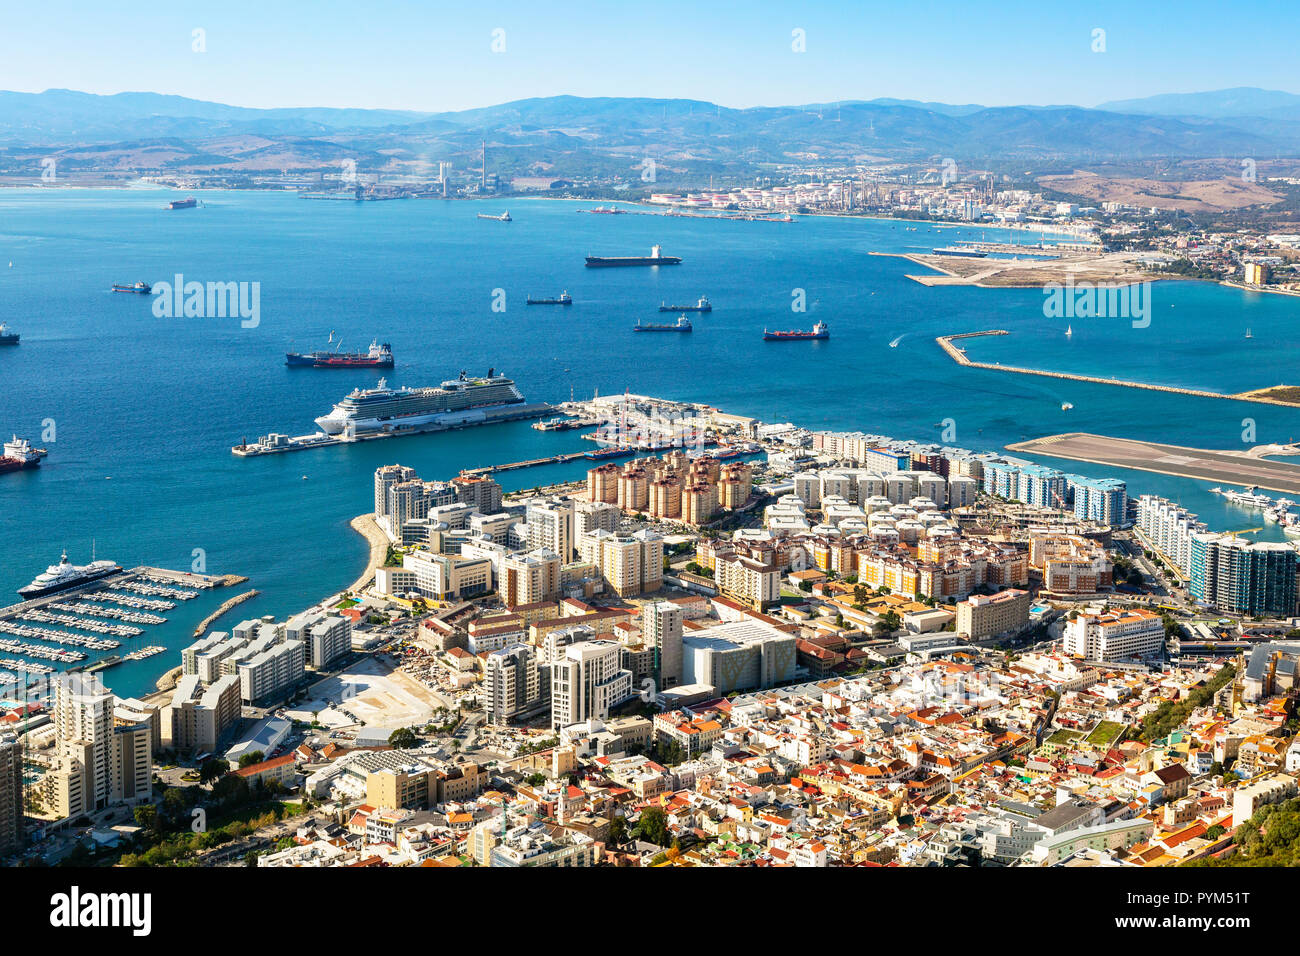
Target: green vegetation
[
  {"x": 1269, "y": 838},
  {"x": 652, "y": 826},
  {"x": 403, "y": 738},
  {"x": 1169, "y": 716},
  {"x": 1064, "y": 738},
  {"x": 696, "y": 568},
  {"x": 1105, "y": 734},
  {"x": 250, "y": 758}
]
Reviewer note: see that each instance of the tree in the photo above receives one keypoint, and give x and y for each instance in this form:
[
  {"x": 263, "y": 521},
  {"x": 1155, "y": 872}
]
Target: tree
[
  {"x": 403, "y": 738},
  {"x": 213, "y": 769},
  {"x": 146, "y": 815},
  {"x": 617, "y": 831},
  {"x": 250, "y": 758},
  {"x": 653, "y": 826}
]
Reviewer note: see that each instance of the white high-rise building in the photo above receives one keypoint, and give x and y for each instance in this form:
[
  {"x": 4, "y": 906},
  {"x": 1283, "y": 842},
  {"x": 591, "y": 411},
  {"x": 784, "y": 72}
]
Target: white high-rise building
[
  {"x": 550, "y": 526},
  {"x": 588, "y": 682},
  {"x": 661, "y": 624},
  {"x": 1115, "y": 636},
  {"x": 512, "y": 682}
]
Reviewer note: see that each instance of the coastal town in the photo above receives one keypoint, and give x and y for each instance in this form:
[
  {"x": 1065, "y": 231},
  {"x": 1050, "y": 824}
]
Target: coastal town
[{"x": 741, "y": 643}]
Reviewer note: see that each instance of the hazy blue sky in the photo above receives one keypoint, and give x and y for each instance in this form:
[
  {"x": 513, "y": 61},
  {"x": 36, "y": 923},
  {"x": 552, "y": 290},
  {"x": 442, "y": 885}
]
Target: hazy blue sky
[{"x": 435, "y": 56}]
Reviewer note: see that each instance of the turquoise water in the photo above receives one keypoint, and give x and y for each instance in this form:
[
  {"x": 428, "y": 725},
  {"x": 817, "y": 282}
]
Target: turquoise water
[{"x": 146, "y": 409}]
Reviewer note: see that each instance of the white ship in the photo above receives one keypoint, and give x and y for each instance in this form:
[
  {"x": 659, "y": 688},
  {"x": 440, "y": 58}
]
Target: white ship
[
  {"x": 64, "y": 575},
  {"x": 462, "y": 401},
  {"x": 1247, "y": 499}
]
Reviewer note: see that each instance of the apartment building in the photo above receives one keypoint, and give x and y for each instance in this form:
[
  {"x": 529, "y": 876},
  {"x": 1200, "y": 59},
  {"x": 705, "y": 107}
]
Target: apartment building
[
  {"x": 513, "y": 684},
  {"x": 1115, "y": 636},
  {"x": 980, "y": 616},
  {"x": 629, "y": 564},
  {"x": 749, "y": 581},
  {"x": 587, "y": 681}
]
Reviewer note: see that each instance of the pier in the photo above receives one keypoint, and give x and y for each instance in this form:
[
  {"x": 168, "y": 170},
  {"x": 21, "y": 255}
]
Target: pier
[
  {"x": 225, "y": 606},
  {"x": 530, "y": 463},
  {"x": 959, "y": 356}
]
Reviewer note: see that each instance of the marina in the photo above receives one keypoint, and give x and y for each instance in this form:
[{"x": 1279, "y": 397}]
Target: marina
[{"x": 84, "y": 620}]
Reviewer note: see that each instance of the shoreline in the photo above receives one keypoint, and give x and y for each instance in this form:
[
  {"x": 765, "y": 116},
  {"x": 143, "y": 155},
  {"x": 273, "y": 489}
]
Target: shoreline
[{"x": 365, "y": 526}]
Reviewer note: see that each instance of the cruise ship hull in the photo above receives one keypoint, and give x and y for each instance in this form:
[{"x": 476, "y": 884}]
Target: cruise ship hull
[
  {"x": 433, "y": 421},
  {"x": 30, "y": 593}
]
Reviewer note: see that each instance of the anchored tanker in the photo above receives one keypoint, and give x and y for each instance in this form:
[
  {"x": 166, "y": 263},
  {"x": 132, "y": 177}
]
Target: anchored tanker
[
  {"x": 463, "y": 401},
  {"x": 656, "y": 258}
]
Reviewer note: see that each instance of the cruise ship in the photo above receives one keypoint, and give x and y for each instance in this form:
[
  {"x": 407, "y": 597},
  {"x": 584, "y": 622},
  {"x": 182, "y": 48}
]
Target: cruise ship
[
  {"x": 64, "y": 575},
  {"x": 466, "y": 400}
]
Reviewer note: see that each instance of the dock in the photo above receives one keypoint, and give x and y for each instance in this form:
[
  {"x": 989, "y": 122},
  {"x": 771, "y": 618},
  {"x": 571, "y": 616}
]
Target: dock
[
  {"x": 1221, "y": 467},
  {"x": 959, "y": 356},
  {"x": 530, "y": 463}
]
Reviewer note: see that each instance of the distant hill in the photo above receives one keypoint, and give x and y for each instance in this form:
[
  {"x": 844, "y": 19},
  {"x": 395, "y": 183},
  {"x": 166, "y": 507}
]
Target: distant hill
[
  {"x": 1230, "y": 104},
  {"x": 692, "y": 130}
]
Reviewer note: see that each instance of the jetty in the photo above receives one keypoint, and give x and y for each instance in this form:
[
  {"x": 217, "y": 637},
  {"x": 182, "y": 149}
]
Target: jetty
[
  {"x": 958, "y": 355},
  {"x": 225, "y": 606}
]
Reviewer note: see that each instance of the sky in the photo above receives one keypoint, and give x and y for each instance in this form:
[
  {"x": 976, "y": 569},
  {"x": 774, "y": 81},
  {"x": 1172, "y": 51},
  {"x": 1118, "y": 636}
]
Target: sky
[{"x": 434, "y": 56}]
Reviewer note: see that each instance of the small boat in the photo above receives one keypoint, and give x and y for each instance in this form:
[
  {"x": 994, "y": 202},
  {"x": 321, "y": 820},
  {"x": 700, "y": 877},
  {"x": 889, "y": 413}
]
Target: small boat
[
  {"x": 504, "y": 217},
  {"x": 1066, "y": 406},
  {"x": 563, "y": 299},
  {"x": 818, "y": 331},
  {"x": 140, "y": 288},
  {"x": 1248, "y": 335},
  {"x": 7, "y": 337}
]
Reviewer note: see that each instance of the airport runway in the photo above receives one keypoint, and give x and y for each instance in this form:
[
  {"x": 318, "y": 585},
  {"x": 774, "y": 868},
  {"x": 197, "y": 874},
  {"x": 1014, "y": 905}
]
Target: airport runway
[{"x": 1225, "y": 468}]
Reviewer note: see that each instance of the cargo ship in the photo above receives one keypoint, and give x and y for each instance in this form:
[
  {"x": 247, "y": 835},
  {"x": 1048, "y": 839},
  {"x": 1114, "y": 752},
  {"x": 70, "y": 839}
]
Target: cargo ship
[
  {"x": 818, "y": 331},
  {"x": 558, "y": 424},
  {"x": 462, "y": 401},
  {"x": 564, "y": 299},
  {"x": 683, "y": 324},
  {"x": 700, "y": 306},
  {"x": 504, "y": 217},
  {"x": 379, "y": 356},
  {"x": 188, "y": 203},
  {"x": 604, "y": 453},
  {"x": 140, "y": 288},
  {"x": 961, "y": 251},
  {"x": 20, "y": 455},
  {"x": 656, "y": 258},
  {"x": 7, "y": 337},
  {"x": 64, "y": 575}
]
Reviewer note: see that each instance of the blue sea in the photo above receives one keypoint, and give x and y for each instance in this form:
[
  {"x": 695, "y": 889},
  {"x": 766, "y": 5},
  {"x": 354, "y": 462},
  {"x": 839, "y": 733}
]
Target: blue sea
[{"x": 142, "y": 411}]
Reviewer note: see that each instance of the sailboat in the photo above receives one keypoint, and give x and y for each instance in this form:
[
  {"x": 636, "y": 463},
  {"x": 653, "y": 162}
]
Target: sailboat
[
  {"x": 1069, "y": 330},
  {"x": 1248, "y": 335}
]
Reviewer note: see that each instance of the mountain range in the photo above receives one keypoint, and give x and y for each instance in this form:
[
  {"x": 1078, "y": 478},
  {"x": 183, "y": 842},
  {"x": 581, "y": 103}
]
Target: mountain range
[{"x": 1223, "y": 123}]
